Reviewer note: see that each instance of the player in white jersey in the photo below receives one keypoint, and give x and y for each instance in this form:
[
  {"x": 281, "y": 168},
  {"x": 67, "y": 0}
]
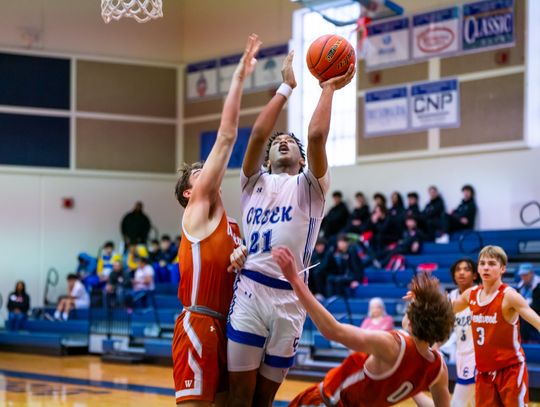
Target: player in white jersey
[
  {"x": 464, "y": 274},
  {"x": 283, "y": 204}
]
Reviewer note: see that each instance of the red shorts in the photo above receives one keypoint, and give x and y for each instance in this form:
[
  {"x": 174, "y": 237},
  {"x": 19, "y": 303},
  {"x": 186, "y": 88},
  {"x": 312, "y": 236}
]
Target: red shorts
[
  {"x": 309, "y": 397},
  {"x": 506, "y": 387},
  {"x": 199, "y": 356}
]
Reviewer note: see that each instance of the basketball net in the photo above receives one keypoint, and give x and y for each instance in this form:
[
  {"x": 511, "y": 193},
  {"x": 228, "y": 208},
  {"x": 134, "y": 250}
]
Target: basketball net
[{"x": 141, "y": 10}]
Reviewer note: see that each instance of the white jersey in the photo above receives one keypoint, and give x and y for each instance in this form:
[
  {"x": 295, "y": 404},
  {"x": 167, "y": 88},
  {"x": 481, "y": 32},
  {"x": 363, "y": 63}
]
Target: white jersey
[
  {"x": 462, "y": 328},
  {"x": 281, "y": 210}
]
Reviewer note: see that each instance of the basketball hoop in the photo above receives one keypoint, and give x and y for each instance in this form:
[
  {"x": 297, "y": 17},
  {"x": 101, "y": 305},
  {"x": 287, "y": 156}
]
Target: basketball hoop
[{"x": 141, "y": 10}]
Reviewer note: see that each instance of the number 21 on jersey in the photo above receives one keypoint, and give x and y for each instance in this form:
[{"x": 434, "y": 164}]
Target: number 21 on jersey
[{"x": 260, "y": 242}]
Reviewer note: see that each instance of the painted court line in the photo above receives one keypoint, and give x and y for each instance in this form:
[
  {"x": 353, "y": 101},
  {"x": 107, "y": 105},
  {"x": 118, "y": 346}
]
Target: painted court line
[{"x": 100, "y": 384}]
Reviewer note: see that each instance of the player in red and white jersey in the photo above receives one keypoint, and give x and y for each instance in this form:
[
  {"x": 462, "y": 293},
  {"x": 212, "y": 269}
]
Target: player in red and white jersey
[
  {"x": 388, "y": 367},
  {"x": 502, "y": 378},
  {"x": 209, "y": 238}
]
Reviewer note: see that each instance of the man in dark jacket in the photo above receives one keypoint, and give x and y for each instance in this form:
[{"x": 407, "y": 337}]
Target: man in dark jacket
[
  {"x": 464, "y": 216},
  {"x": 359, "y": 220},
  {"x": 135, "y": 225},
  {"x": 336, "y": 219},
  {"x": 433, "y": 214},
  {"x": 18, "y": 306},
  {"x": 344, "y": 268}
]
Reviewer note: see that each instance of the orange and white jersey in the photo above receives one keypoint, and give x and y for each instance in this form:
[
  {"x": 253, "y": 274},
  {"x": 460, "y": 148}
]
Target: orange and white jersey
[
  {"x": 352, "y": 384},
  {"x": 497, "y": 342},
  {"x": 204, "y": 280}
]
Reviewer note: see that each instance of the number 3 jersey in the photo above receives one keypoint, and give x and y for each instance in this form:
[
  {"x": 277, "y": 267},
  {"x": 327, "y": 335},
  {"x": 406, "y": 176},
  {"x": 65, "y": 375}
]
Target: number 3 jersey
[
  {"x": 497, "y": 342},
  {"x": 281, "y": 210}
]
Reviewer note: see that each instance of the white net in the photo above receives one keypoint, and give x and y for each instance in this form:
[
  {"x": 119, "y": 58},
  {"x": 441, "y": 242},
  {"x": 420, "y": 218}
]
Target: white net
[{"x": 140, "y": 10}]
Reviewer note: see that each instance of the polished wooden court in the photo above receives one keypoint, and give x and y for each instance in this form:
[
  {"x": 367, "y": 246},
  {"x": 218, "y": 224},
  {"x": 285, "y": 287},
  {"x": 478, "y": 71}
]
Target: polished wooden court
[{"x": 84, "y": 381}]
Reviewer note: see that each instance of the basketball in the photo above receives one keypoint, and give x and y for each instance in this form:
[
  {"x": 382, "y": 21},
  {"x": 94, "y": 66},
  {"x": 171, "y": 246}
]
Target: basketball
[{"x": 329, "y": 56}]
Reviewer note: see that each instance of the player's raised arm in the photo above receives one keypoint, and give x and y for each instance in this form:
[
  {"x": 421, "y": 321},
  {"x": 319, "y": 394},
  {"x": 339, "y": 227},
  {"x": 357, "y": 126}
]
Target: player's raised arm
[
  {"x": 517, "y": 302},
  {"x": 462, "y": 302},
  {"x": 319, "y": 126},
  {"x": 378, "y": 343},
  {"x": 262, "y": 128},
  {"x": 211, "y": 175}
]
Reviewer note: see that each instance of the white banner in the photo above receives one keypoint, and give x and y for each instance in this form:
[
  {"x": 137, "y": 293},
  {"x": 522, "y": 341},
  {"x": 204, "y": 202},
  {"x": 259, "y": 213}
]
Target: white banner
[
  {"x": 202, "y": 80},
  {"x": 268, "y": 68},
  {"x": 387, "y": 43},
  {"x": 227, "y": 66},
  {"x": 435, "y": 104},
  {"x": 435, "y": 33},
  {"x": 386, "y": 111}
]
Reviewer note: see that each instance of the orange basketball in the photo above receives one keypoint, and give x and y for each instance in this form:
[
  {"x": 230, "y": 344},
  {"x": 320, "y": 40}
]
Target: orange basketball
[{"x": 329, "y": 56}]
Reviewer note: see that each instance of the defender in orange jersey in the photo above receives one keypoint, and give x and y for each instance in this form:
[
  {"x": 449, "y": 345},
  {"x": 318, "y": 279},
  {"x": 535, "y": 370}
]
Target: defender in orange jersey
[
  {"x": 209, "y": 238},
  {"x": 387, "y": 367},
  {"x": 502, "y": 378}
]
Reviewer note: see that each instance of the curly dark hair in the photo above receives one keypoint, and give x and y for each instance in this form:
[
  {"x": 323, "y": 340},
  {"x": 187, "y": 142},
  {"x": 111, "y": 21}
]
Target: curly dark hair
[
  {"x": 471, "y": 265},
  {"x": 183, "y": 183},
  {"x": 271, "y": 140},
  {"x": 430, "y": 312}
]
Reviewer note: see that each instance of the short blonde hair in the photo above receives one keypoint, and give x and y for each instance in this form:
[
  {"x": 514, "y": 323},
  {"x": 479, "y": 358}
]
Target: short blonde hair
[
  {"x": 376, "y": 301},
  {"x": 495, "y": 252}
]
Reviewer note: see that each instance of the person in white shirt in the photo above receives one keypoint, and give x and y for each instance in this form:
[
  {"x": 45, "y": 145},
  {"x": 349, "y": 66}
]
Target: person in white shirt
[
  {"x": 143, "y": 279},
  {"x": 78, "y": 298}
]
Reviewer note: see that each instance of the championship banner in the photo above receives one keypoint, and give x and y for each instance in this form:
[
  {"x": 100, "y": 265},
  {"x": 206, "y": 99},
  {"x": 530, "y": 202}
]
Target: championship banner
[
  {"x": 386, "y": 111},
  {"x": 435, "y": 34},
  {"x": 227, "y": 66},
  {"x": 202, "y": 80},
  {"x": 268, "y": 68},
  {"x": 435, "y": 104},
  {"x": 387, "y": 43},
  {"x": 488, "y": 24}
]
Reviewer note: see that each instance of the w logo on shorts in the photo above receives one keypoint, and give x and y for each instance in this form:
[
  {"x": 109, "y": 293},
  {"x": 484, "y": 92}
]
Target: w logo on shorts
[{"x": 188, "y": 383}]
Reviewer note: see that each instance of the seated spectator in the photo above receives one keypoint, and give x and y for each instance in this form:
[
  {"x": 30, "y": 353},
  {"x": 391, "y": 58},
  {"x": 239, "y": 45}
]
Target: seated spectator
[
  {"x": 18, "y": 306},
  {"x": 77, "y": 298},
  {"x": 433, "y": 214},
  {"x": 133, "y": 253},
  {"x": 336, "y": 218},
  {"x": 143, "y": 279},
  {"x": 105, "y": 262},
  {"x": 154, "y": 253},
  {"x": 529, "y": 288},
  {"x": 412, "y": 205},
  {"x": 167, "y": 251},
  {"x": 410, "y": 243},
  {"x": 384, "y": 230},
  {"x": 397, "y": 211},
  {"x": 119, "y": 284},
  {"x": 379, "y": 200},
  {"x": 87, "y": 271},
  {"x": 344, "y": 268},
  {"x": 317, "y": 279},
  {"x": 377, "y": 319},
  {"x": 464, "y": 216},
  {"x": 359, "y": 219}
]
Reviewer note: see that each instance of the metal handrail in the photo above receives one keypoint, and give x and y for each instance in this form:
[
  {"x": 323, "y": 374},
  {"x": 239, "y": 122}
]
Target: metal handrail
[
  {"x": 52, "y": 281},
  {"x": 522, "y": 213}
]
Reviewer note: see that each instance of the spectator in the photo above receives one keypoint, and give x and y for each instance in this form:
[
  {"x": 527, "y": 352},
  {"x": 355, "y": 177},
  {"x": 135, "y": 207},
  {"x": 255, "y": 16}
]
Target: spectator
[
  {"x": 119, "y": 284},
  {"x": 77, "y": 298},
  {"x": 131, "y": 258},
  {"x": 529, "y": 288},
  {"x": 379, "y": 199},
  {"x": 18, "y": 306},
  {"x": 135, "y": 226},
  {"x": 411, "y": 243},
  {"x": 359, "y": 219},
  {"x": 412, "y": 205},
  {"x": 143, "y": 279},
  {"x": 377, "y": 319},
  {"x": 316, "y": 281},
  {"x": 154, "y": 252},
  {"x": 105, "y": 262},
  {"x": 167, "y": 251},
  {"x": 344, "y": 268},
  {"x": 464, "y": 216},
  {"x": 336, "y": 218},
  {"x": 397, "y": 211},
  {"x": 384, "y": 231},
  {"x": 433, "y": 214},
  {"x": 87, "y": 271}
]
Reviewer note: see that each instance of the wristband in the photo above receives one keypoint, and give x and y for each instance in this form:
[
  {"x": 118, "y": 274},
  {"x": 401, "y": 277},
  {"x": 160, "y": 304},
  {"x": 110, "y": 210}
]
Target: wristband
[{"x": 284, "y": 90}]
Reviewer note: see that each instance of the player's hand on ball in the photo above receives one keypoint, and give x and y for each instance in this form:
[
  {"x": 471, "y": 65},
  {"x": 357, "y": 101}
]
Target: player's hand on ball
[
  {"x": 285, "y": 260},
  {"x": 341, "y": 81},
  {"x": 246, "y": 66},
  {"x": 287, "y": 72},
  {"x": 238, "y": 259}
]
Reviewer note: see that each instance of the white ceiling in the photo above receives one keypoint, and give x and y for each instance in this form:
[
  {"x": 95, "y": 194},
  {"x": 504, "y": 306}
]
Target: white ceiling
[{"x": 190, "y": 29}]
